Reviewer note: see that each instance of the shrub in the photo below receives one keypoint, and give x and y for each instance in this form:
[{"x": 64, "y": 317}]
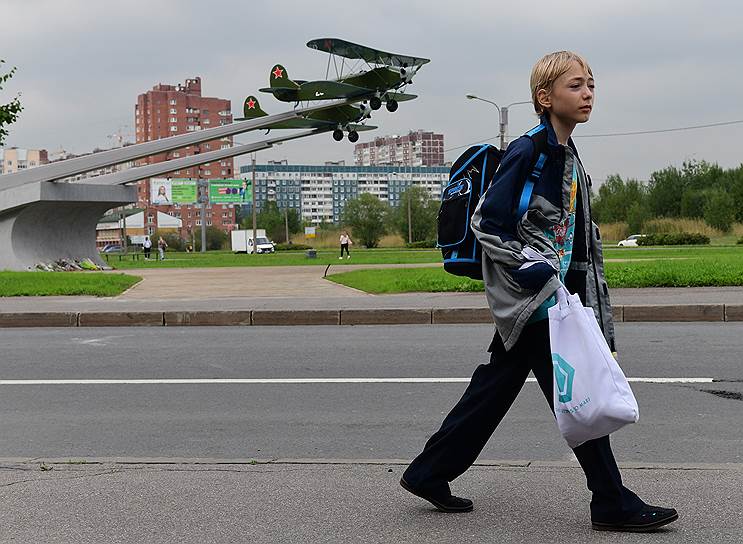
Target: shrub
[
  {"x": 674, "y": 239},
  {"x": 421, "y": 244},
  {"x": 286, "y": 247}
]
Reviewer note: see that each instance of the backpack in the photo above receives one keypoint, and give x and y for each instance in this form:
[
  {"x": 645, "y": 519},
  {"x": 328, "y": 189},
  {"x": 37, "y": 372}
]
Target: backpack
[{"x": 469, "y": 178}]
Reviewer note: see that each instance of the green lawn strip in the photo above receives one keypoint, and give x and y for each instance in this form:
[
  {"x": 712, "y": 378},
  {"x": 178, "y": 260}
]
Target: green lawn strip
[
  {"x": 672, "y": 251},
  {"x": 34, "y": 284},
  {"x": 280, "y": 258},
  {"x": 406, "y": 280},
  {"x": 727, "y": 271}
]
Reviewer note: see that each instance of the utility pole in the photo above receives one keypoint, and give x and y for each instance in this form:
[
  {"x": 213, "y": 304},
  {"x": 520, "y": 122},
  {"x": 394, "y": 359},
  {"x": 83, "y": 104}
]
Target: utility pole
[
  {"x": 410, "y": 218},
  {"x": 123, "y": 225},
  {"x": 203, "y": 184},
  {"x": 255, "y": 215},
  {"x": 286, "y": 223},
  {"x": 502, "y": 117}
]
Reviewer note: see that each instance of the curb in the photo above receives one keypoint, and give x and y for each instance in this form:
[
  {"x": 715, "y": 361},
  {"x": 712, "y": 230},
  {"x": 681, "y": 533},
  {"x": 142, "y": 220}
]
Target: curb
[{"x": 403, "y": 316}]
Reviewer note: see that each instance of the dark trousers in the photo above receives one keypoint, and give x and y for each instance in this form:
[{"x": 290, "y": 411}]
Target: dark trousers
[
  {"x": 344, "y": 246},
  {"x": 492, "y": 390}
]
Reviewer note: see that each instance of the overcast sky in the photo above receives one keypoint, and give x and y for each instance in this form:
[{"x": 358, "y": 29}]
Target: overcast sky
[{"x": 658, "y": 64}]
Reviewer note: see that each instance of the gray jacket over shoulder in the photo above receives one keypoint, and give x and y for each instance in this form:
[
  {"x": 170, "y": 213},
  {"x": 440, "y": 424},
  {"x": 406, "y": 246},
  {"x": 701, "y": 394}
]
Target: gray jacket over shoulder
[{"x": 516, "y": 284}]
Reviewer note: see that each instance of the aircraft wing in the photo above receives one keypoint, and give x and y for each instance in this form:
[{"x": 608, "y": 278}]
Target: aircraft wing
[
  {"x": 342, "y": 48},
  {"x": 362, "y": 128},
  {"x": 401, "y": 97},
  {"x": 326, "y": 90}
]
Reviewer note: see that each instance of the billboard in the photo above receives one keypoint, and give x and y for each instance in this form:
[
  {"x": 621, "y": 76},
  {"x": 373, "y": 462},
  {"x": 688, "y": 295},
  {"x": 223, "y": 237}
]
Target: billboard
[
  {"x": 184, "y": 191},
  {"x": 230, "y": 191},
  {"x": 164, "y": 192},
  {"x": 161, "y": 192}
]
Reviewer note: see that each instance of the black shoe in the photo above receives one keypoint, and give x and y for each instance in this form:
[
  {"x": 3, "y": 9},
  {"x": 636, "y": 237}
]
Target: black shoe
[
  {"x": 445, "y": 503},
  {"x": 648, "y": 519}
]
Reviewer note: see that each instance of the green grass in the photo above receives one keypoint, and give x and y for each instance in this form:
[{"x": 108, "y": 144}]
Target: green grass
[
  {"x": 34, "y": 284},
  {"x": 280, "y": 258},
  {"x": 685, "y": 269},
  {"x": 406, "y": 280}
]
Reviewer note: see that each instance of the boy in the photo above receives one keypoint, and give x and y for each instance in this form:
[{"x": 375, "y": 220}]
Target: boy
[{"x": 519, "y": 290}]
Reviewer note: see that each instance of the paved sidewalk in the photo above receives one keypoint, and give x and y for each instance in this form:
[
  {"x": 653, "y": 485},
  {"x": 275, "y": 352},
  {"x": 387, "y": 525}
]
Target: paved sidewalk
[
  {"x": 298, "y": 289},
  {"x": 346, "y": 502}
]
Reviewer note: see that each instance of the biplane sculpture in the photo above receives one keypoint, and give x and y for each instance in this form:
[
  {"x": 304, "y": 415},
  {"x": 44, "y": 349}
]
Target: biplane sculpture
[
  {"x": 340, "y": 118},
  {"x": 384, "y": 79}
]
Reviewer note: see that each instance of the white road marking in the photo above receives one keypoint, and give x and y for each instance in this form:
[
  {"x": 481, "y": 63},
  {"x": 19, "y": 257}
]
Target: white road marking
[{"x": 281, "y": 381}]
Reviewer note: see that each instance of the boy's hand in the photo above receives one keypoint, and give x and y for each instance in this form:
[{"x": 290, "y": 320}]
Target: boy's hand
[
  {"x": 535, "y": 272},
  {"x": 532, "y": 275}
]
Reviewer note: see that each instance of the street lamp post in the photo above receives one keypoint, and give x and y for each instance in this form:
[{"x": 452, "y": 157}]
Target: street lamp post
[{"x": 502, "y": 116}]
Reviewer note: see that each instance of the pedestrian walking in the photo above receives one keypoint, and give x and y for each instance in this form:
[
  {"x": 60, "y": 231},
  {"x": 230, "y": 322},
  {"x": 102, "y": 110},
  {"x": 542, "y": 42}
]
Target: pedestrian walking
[
  {"x": 147, "y": 247},
  {"x": 345, "y": 242},
  {"x": 558, "y": 225},
  {"x": 161, "y": 245}
]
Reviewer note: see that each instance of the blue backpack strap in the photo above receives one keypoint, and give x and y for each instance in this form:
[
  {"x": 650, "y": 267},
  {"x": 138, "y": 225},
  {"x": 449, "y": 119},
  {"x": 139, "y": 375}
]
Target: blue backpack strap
[{"x": 537, "y": 134}]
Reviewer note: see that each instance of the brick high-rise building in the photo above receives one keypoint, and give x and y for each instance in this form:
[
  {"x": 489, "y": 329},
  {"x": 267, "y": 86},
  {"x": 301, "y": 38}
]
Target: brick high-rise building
[
  {"x": 168, "y": 110},
  {"x": 417, "y": 148}
]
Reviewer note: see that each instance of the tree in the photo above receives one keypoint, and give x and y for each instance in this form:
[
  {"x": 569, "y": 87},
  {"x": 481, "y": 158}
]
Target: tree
[
  {"x": 664, "y": 192},
  {"x": 637, "y": 215},
  {"x": 615, "y": 198},
  {"x": 215, "y": 238},
  {"x": 366, "y": 215},
  {"x": 719, "y": 212},
  {"x": 423, "y": 213},
  {"x": 693, "y": 202},
  {"x": 8, "y": 112},
  {"x": 273, "y": 221}
]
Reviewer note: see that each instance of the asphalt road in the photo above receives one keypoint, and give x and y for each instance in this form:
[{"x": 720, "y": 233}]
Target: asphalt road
[
  {"x": 680, "y": 422},
  {"x": 685, "y": 452}
]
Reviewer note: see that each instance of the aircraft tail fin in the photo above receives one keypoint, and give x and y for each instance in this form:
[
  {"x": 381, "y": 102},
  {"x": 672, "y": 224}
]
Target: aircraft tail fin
[
  {"x": 280, "y": 78},
  {"x": 252, "y": 109}
]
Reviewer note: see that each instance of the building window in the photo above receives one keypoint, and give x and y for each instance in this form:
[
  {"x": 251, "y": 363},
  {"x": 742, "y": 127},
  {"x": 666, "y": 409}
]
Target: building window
[
  {"x": 172, "y": 102},
  {"x": 173, "y": 129},
  {"x": 173, "y": 111},
  {"x": 198, "y": 222}
]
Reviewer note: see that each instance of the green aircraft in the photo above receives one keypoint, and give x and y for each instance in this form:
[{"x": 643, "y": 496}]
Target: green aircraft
[
  {"x": 340, "y": 118},
  {"x": 382, "y": 81}
]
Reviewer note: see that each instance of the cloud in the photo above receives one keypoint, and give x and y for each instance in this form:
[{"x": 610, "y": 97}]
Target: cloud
[{"x": 81, "y": 65}]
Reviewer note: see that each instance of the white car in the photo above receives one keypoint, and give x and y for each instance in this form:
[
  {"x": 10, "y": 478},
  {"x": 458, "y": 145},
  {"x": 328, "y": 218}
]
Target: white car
[{"x": 631, "y": 241}]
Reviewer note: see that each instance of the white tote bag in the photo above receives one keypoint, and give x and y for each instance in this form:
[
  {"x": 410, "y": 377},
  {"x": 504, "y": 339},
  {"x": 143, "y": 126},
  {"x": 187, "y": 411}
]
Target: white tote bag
[{"x": 591, "y": 395}]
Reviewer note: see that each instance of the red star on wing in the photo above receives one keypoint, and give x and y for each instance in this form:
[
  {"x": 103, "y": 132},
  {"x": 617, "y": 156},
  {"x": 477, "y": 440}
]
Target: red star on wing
[
  {"x": 278, "y": 72},
  {"x": 251, "y": 104}
]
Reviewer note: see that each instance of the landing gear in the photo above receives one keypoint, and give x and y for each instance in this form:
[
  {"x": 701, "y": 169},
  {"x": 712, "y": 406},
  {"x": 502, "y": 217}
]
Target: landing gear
[
  {"x": 338, "y": 135},
  {"x": 375, "y": 102},
  {"x": 353, "y": 136},
  {"x": 392, "y": 105}
]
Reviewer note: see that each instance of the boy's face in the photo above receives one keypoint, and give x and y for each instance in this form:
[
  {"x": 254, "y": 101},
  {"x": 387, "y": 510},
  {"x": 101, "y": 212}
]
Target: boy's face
[{"x": 571, "y": 99}]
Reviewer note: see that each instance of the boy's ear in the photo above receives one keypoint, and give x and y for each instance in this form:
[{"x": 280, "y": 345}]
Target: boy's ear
[{"x": 544, "y": 99}]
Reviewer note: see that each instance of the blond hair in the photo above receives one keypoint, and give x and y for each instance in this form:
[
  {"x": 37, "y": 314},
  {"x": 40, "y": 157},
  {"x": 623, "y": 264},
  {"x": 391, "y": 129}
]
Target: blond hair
[{"x": 548, "y": 69}]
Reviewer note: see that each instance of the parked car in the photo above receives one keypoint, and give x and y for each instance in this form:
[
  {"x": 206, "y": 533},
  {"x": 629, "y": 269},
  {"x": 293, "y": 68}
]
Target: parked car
[
  {"x": 631, "y": 241},
  {"x": 112, "y": 248}
]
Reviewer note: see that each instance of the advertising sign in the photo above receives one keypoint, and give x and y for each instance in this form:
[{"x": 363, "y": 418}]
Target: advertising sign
[
  {"x": 309, "y": 232},
  {"x": 230, "y": 191},
  {"x": 184, "y": 191},
  {"x": 161, "y": 192},
  {"x": 164, "y": 192}
]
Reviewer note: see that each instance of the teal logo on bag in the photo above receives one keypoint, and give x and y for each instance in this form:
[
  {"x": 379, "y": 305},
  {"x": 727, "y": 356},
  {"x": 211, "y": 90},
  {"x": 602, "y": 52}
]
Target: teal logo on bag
[{"x": 564, "y": 374}]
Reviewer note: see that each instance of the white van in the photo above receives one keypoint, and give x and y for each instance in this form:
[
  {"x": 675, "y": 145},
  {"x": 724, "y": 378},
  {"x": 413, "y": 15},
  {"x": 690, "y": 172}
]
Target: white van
[{"x": 242, "y": 242}]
